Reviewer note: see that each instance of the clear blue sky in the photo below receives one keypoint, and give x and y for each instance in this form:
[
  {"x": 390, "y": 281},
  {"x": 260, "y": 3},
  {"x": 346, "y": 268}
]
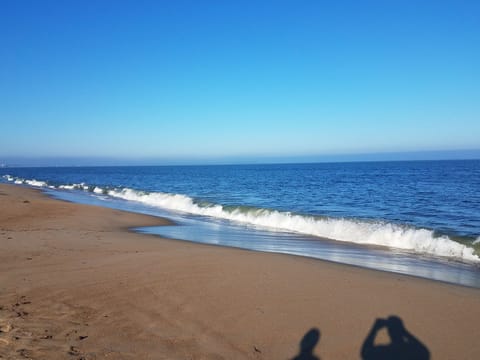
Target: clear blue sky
[{"x": 237, "y": 79}]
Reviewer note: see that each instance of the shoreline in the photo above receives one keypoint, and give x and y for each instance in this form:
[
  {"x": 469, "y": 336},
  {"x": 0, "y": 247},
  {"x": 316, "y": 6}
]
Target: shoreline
[
  {"x": 142, "y": 230},
  {"x": 74, "y": 270},
  {"x": 164, "y": 221},
  {"x": 376, "y": 257},
  {"x": 417, "y": 239}
]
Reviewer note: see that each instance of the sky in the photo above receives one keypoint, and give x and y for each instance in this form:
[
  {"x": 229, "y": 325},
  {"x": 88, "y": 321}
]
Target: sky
[{"x": 203, "y": 81}]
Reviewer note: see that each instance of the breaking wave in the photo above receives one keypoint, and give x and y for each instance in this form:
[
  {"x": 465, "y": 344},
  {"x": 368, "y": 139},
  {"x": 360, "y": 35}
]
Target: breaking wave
[{"x": 363, "y": 232}]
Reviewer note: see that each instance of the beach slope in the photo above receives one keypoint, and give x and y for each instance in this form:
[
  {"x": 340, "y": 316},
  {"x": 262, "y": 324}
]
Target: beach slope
[{"x": 75, "y": 283}]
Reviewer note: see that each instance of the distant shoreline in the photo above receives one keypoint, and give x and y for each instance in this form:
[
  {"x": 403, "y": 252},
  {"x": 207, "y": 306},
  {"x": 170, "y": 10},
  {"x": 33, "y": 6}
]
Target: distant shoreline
[{"x": 93, "y": 161}]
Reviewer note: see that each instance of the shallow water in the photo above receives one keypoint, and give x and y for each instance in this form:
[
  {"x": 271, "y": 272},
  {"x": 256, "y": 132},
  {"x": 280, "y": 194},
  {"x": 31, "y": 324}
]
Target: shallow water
[
  {"x": 224, "y": 233},
  {"x": 420, "y": 218}
]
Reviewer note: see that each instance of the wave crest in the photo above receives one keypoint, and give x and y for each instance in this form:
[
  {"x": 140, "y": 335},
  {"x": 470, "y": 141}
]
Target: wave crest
[
  {"x": 355, "y": 231},
  {"x": 362, "y": 232}
]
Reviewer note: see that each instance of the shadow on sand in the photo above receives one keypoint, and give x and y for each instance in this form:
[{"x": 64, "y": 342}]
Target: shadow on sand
[
  {"x": 403, "y": 345},
  {"x": 307, "y": 345}
]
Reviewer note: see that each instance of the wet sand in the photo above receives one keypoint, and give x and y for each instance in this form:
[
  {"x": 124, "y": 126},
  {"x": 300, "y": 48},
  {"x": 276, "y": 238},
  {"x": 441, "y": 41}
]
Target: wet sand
[{"x": 76, "y": 284}]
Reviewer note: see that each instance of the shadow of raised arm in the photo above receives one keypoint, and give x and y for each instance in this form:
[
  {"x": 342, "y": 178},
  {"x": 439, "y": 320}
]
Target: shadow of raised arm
[{"x": 403, "y": 345}]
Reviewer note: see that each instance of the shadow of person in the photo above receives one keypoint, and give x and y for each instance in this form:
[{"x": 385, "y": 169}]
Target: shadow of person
[
  {"x": 307, "y": 345},
  {"x": 403, "y": 345}
]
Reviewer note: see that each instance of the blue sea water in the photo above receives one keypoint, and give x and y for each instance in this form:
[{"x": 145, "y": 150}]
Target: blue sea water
[{"x": 420, "y": 218}]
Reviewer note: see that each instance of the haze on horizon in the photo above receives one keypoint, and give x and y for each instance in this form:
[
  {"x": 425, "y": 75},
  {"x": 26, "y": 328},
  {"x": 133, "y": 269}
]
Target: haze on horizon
[{"x": 250, "y": 81}]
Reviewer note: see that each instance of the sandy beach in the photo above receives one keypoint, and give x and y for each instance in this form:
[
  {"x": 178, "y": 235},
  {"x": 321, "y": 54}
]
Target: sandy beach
[{"x": 75, "y": 283}]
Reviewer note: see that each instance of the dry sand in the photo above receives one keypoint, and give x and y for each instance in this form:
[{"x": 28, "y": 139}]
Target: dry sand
[{"x": 75, "y": 284}]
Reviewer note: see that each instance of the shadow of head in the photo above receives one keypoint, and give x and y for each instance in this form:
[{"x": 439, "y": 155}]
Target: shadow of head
[{"x": 307, "y": 345}]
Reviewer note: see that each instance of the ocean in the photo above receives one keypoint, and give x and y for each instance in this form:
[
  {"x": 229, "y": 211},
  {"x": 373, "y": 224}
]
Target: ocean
[{"x": 419, "y": 218}]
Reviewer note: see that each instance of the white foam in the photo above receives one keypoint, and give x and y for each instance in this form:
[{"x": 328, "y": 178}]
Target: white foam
[
  {"x": 66, "y": 187},
  {"x": 20, "y": 181},
  {"x": 360, "y": 232},
  {"x": 36, "y": 183},
  {"x": 355, "y": 231},
  {"x": 81, "y": 186}
]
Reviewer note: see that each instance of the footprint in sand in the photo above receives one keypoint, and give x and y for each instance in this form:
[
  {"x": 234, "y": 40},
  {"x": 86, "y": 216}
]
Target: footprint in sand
[{"x": 6, "y": 328}]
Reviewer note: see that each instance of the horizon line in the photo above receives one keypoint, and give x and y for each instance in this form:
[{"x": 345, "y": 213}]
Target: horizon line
[{"x": 92, "y": 161}]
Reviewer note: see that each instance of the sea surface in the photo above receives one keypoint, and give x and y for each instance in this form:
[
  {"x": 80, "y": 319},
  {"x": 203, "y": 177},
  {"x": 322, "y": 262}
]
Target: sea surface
[{"x": 420, "y": 218}]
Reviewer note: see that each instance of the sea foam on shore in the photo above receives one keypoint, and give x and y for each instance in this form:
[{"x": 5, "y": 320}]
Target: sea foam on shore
[{"x": 379, "y": 233}]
